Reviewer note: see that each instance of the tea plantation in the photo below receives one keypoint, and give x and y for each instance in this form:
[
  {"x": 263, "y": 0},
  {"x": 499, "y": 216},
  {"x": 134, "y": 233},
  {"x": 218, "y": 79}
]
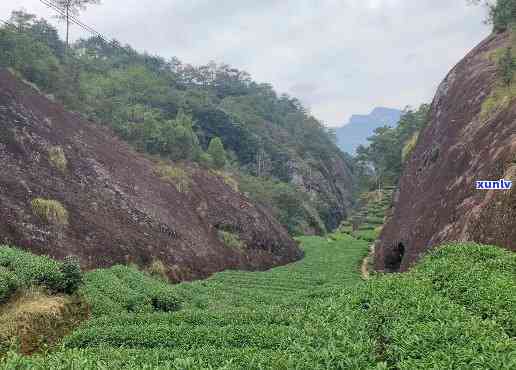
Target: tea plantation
[{"x": 455, "y": 310}]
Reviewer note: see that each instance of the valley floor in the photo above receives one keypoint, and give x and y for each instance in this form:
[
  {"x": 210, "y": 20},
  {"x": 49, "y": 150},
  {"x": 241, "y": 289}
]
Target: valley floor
[{"x": 456, "y": 310}]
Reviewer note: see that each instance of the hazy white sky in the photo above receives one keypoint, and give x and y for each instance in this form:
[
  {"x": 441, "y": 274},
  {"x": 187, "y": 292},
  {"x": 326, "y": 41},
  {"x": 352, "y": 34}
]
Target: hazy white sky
[{"x": 340, "y": 57}]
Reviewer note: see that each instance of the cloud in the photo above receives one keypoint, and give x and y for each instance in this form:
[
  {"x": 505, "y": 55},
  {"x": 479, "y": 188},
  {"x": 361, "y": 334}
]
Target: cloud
[{"x": 340, "y": 57}]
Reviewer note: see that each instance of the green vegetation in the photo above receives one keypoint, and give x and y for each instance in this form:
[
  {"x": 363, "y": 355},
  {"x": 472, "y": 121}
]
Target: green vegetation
[
  {"x": 456, "y": 309},
  {"x": 231, "y": 240},
  {"x": 57, "y": 157},
  {"x": 35, "y": 307},
  {"x": 504, "y": 90},
  {"x": 175, "y": 175},
  {"x": 366, "y": 220},
  {"x": 22, "y": 270},
  {"x": 50, "y": 211},
  {"x": 217, "y": 153},
  {"x": 175, "y": 110},
  {"x": 380, "y": 163},
  {"x": 123, "y": 289},
  {"x": 290, "y": 205},
  {"x": 502, "y": 13}
]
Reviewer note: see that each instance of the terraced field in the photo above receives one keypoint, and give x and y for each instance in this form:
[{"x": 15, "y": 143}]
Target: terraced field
[
  {"x": 368, "y": 218},
  {"x": 454, "y": 311},
  {"x": 331, "y": 262},
  {"x": 258, "y": 319}
]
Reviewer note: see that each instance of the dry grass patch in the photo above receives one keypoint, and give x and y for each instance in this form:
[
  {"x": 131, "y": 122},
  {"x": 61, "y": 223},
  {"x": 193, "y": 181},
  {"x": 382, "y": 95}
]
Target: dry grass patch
[
  {"x": 231, "y": 240},
  {"x": 409, "y": 146},
  {"x": 57, "y": 157},
  {"x": 50, "y": 211},
  {"x": 158, "y": 269},
  {"x": 174, "y": 175},
  {"x": 228, "y": 179},
  {"x": 33, "y": 320}
]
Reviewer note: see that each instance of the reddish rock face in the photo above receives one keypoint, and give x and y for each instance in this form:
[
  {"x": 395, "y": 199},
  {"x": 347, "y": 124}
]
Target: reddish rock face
[
  {"x": 437, "y": 200},
  {"x": 120, "y": 210}
]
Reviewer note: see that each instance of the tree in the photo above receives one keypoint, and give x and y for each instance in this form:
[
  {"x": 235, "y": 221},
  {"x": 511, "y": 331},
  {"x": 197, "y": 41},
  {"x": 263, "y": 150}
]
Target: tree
[
  {"x": 217, "y": 152},
  {"x": 501, "y": 12},
  {"x": 70, "y": 9},
  {"x": 179, "y": 140},
  {"x": 21, "y": 19}
]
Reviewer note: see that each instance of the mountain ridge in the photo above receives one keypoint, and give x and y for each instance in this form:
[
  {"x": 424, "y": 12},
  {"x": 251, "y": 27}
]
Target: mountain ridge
[{"x": 361, "y": 126}]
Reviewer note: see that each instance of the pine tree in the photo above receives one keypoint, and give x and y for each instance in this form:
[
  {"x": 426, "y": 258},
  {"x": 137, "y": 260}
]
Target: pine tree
[{"x": 217, "y": 153}]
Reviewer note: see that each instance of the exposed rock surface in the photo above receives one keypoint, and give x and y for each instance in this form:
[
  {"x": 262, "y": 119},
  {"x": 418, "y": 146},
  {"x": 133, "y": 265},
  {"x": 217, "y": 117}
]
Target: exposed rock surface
[
  {"x": 437, "y": 199},
  {"x": 119, "y": 210}
]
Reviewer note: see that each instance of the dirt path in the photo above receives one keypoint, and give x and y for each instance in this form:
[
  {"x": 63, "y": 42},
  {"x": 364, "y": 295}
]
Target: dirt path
[{"x": 365, "y": 263}]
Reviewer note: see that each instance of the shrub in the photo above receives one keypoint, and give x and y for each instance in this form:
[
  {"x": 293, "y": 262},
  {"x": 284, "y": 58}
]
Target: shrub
[
  {"x": 158, "y": 269},
  {"x": 165, "y": 301},
  {"x": 176, "y": 176},
  {"x": 57, "y": 157},
  {"x": 30, "y": 270},
  {"x": 50, "y": 211},
  {"x": 8, "y": 284},
  {"x": 72, "y": 275}
]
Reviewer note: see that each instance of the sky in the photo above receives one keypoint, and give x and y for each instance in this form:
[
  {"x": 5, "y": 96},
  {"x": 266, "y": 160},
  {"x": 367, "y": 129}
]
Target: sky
[{"x": 339, "y": 57}]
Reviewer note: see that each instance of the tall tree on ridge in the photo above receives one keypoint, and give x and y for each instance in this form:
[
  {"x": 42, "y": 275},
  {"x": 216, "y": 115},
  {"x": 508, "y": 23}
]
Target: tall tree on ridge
[{"x": 71, "y": 8}]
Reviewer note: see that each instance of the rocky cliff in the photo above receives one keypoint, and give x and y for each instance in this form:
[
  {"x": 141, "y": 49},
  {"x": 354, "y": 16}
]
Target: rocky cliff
[
  {"x": 471, "y": 136},
  {"x": 69, "y": 187}
]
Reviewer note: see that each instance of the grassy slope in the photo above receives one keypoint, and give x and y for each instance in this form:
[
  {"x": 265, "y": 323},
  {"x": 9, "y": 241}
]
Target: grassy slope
[{"x": 455, "y": 310}]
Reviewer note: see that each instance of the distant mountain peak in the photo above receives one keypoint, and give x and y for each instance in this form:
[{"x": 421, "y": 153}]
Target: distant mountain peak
[{"x": 361, "y": 126}]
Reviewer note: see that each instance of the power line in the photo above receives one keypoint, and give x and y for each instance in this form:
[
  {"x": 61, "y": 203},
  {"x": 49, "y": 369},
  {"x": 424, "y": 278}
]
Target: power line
[
  {"x": 61, "y": 12},
  {"x": 111, "y": 42},
  {"x": 74, "y": 20}
]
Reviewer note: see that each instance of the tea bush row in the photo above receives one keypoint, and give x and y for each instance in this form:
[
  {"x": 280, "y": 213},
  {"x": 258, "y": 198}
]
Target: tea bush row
[
  {"x": 23, "y": 269},
  {"x": 125, "y": 289}
]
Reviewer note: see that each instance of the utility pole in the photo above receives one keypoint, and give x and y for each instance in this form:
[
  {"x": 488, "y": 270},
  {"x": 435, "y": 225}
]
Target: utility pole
[{"x": 67, "y": 5}]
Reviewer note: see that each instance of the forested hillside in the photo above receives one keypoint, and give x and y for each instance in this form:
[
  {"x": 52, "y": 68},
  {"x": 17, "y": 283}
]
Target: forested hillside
[{"x": 276, "y": 151}]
